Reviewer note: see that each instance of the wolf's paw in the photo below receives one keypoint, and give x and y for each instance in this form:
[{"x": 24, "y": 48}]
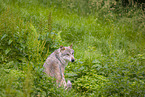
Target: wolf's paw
[{"x": 69, "y": 85}]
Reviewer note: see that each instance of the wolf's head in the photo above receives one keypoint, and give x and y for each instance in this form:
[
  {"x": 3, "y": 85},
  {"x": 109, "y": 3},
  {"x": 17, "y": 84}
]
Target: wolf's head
[{"x": 67, "y": 53}]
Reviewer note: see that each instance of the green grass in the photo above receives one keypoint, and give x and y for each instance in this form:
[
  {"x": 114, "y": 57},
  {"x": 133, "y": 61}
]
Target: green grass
[{"x": 109, "y": 46}]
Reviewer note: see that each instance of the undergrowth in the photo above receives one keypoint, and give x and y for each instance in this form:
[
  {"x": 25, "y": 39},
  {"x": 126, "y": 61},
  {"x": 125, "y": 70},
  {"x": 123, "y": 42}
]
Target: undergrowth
[{"x": 108, "y": 39}]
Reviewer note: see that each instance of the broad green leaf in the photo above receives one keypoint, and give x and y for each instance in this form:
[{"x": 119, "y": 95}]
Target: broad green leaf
[
  {"x": 10, "y": 41},
  {"x": 7, "y": 50},
  {"x": 5, "y": 35}
]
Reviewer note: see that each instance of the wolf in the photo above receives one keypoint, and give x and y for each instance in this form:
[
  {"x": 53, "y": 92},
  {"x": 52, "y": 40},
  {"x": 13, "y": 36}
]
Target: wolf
[{"x": 55, "y": 64}]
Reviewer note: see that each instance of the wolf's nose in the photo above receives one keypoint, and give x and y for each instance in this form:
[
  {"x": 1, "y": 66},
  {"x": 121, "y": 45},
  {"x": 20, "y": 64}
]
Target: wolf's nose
[{"x": 72, "y": 60}]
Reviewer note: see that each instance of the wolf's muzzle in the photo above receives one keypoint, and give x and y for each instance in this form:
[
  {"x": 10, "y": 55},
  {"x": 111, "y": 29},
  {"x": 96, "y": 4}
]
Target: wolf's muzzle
[{"x": 72, "y": 60}]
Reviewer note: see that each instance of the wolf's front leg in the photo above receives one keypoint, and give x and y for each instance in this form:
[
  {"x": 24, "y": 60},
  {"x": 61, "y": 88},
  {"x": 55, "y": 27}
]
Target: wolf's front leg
[{"x": 63, "y": 81}]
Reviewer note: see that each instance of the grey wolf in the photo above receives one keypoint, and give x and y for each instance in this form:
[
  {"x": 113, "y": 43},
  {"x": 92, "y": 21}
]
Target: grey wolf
[{"x": 55, "y": 64}]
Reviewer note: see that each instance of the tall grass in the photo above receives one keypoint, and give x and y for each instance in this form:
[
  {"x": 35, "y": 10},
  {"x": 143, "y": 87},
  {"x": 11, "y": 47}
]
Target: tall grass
[{"x": 109, "y": 44}]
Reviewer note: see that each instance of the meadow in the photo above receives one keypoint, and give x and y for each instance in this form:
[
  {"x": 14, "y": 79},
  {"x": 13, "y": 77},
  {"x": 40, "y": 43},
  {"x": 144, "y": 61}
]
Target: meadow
[{"x": 108, "y": 39}]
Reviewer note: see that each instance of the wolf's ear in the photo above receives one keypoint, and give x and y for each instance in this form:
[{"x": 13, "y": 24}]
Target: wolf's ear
[
  {"x": 71, "y": 46},
  {"x": 62, "y": 47}
]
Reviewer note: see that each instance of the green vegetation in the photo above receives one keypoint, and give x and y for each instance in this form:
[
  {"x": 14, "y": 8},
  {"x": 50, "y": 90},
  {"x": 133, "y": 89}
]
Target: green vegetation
[{"x": 108, "y": 39}]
